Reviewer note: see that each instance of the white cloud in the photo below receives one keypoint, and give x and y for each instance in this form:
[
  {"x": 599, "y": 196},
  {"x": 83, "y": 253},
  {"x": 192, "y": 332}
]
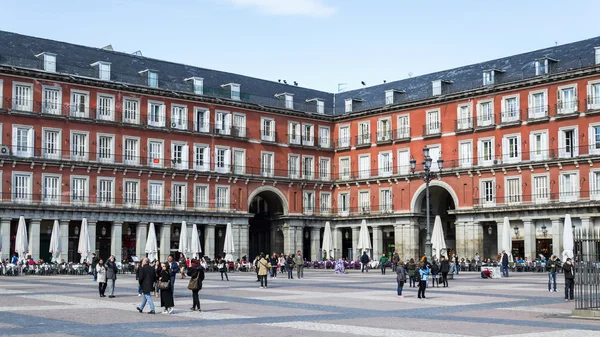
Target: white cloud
[{"x": 312, "y": 8}]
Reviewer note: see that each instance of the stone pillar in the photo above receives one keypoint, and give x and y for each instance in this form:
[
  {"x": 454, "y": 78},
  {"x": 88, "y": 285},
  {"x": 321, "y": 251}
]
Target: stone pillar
[
  {"x": 337, "y": 242},
  {"x": 377, "y": 242},
  {"x": 399, "y": 240},
  {"x": 529, "y": 238},
  {"x": 34, "y": 238},
  {"x": 500, "y": 224},
  {"x": 587, "y": 225},
  {"x": 478, "y": 232},
  {"x": 116, "y": 240},
  {"x": 244, "y": 238},
  {"x": 141, "y": 236},
  {"x": 472, "y": 239},
  {"x": 63, "y": 241},
  {"x": 209, "y": 240},
  {"x": 165, "y": 241},
  {"x": 289, "y": 239},
  {"x": 355, "y": 234},
  {"x": 557, "y": 236},
  {"x": 92, "y": 235},
  {"x": 315, "y": 244},
  {"x": 5, "y": 230},
  {"x": 411, "y": 240},
  {"x": 461, "y": 239}
]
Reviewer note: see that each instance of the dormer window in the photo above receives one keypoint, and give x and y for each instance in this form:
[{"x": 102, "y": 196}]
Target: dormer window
[
  {"x": 488, "y": 77},
  {"x": 349, "y": 104},
  {"x": 320, "y": 104},
  {"x": 542, "y": 65},
  {"x": 198, "y": 84},
  {"x": 436, "y": 87},
  {"x": 152, "y": 77},
  {"x": 597, "y": 49},
  {"x": 391, "y": 95},
  {"x": 289, "y": 99},
  {"x": 235, "y": 90},
  {"x": 49, "y": 60},
  {"x": 103, "y": 70}
]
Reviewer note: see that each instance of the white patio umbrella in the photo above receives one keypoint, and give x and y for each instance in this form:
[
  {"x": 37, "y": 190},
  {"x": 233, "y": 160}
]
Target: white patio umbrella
[
  {"x": 437, "y": 239},
  {"x": 151, "y": 245},
  {"x": 183, "y": 239},
  {"x": 364, "y": 241},
  {"x": 228, "y": 247},
  {"x": 21, "y": 239},
  {"x": 327, "y": 241},
  {"x": 54, "y": 242},
  {"x": 83, "y": 247},
  {"x": 506, "y": 238},
  {"x": 195, "y": 248},
  {"x": 567, "y": 239}
]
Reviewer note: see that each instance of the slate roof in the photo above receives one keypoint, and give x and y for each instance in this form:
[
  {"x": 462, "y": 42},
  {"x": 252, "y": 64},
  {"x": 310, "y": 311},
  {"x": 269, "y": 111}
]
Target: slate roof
[{"x": 20, "y": 50}]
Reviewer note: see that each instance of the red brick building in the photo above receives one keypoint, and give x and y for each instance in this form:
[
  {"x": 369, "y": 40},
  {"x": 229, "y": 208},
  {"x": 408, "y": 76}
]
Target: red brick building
[{"x": 124, "y": 140}]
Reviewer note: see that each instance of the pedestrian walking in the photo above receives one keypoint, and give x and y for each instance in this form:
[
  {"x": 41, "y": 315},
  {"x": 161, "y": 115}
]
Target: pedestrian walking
[
  {"x": 569, "y": 279},
  {"x": 94, "y": 264},
  {"x": 504, "y": 263},
  {"x": 274, "y": 262},
  {"x": 182, "y": 266},
  {"x": 223, "y": 268},
  {"x": 196, "y": 274},
  {"x": 364, "y": 261},
  {"x": 146, "y": 279},
  {"x": 166, "y": 294},
  {"x": 299, "y": 263},
  {"x": 445, "y": 269},
  {"x": 137, "y": 278},
  {"x": 157, "y": 271},
  {"x": 101, "y": 277},
  {"x": 400, "y": 277},
  {"x": 174, "y": 268},
  {"x": 395, "y": 260},
  {"x": 412, "y": 269},
  {"x": 423, "y": 277},
  {"x": 552, "y": 267},
  {"x": 111, "y": 276},
  {"x": 382, "y": 263},
  {"x": 435, "y": 270},
  {"x": 263, "y": 268},
  {"x": 289, "y": 266}
]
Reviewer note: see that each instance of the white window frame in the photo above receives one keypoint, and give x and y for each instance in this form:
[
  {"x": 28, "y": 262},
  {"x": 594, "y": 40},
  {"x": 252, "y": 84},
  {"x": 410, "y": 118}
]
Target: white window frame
[
  {"x": 127, "y": 111},
  {"x": 341, "y": 174},
  {"x": 436, "y": 87},
  {"x": 324, "y": 141},
  {"x": 507, "y": 113},
  {"x": 465, "y": 160},
  {"x": 183, "y": 162},
  {"x": 162, "y": 115},
  {"x": 49, "y": 62},
  {"x": 433, "y": 126},
  {"x": 364, "y": 133},
  {"x": 485, "y": 117},
  {"x": 364, "y": 201},
  {"x": 509, "y": 156},
  {"x": 224, "y": 167},
  {"x": 136, "y": 151},
  {"x": 404, "y": 168},
  {"x": 77, "y": 107},
  {"x": 325, "y": 172},
  {"x": 536, "y": 111},
  {"x": 204, "y": 124},
  {"x": 568, "y": 151},
  {"x": 104, "y": 71},
  {"x": 343, "y": 208},
  {"x": 179, "y": 122},
  {"x": 235, "y": 91},
  {"x": 239, "y": 130},
  {"x": 267, "y": 135},
  {"x": 344, "y": 141},
  {"x": 152, "y": 79},
  {"x": 385, "y": 169},
  {"x": 99, "y": 197},
  {"x": 106, "y": 113},
  {"x": 484, "y": 199},
  {"x": 84, "y": 199},
  {"x": 389, "y": 97},
  {"x": 516, "y": 197},
  {"x": 464, "y": 122},
  {"x": 544, "y": 196},
  {"x": 481, "y": 161},
  {"x": 564, "y": 194},
  {"x": 403, "y": 130},
  {"x": 541, "y": 67},
  {"x": 223, "y": 122},
  {"x": 364, "y": 172},
  {"x": 348, "y": 105},
  {"x": 269, "y": 169},
  {"x": 564, "y": 106},
  {"x": 111, "y": 157},
  {"x": 201, "y": 204},
  {"x": 48, "y": 106},
  {"x": 222, "y": 204},
  {"x": 542, "y": 154},
  {"x": 156, "y": 162},
  {"x": 294, "y": 133},
  {"x": 594, "y": 139},
  {"x": 289, "y": 101},
  {"x": 594, "y": 184},
  {"x": 386, "y": 205},
  {"x": 238, "y": 168},
  {"x": 325, "y": 203},
  {"x": 160, "y": 202},
  {"x": 57, "y": 146},
  {"x": 320, "y": 107},
  {"x": 126, "y": 202},
  {"x": 55, "y": 198},
  {"x": 24, "y": 103},
  {"x": 205, "y": 165},
  {"x": 17, "y": 149},
  {"x": 593, "y": 96},
  {"x": 179, "y": 204},
  {"x": 488, "y": 77},
  {"x": 308, "y": 205},
  {"x": 308, "y": 134},
  {"x": 384, "y": 135},
  {"x": 310, "y": 174},
  {"x": 294, "y": 173},
  {"x": 86, "y": 154}
]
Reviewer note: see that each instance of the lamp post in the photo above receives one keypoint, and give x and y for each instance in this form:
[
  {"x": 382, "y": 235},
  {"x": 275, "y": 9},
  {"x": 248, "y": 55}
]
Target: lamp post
[{"x": 427, "y": 175}]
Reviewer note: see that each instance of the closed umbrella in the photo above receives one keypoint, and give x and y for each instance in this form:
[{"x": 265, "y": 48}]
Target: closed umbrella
[
  {"x": 183, "y": 239},
  {"x": 364, "y": 241},
  {"x": 567, "y": 239},
  {"x": 506, "y": 238},
  {"x": 151, "y": 245},
  {"x": 21, "y": 239},
  {"x": 54, "y": 242},
  {"x": 228, "y": 247},
  {"x": 437, "y": 239},
  {"x": 195, "y": 248},
  {"x": 83, "y": 247},
  {"x": 327, "y": 241}
]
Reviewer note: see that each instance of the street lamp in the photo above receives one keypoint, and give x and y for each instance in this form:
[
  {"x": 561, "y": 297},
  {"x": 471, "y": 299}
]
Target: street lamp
[
  {"x": 544, "y": 230},
  {"x": 427, "y": 175}
]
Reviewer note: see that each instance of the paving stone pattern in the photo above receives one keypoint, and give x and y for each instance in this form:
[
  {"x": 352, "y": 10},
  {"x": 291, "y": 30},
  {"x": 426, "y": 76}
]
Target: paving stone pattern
[{"x": 321, "y": 304}]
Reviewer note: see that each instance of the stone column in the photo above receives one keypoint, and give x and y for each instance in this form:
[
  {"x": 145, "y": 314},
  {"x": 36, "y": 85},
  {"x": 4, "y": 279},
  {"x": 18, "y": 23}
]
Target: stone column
[
  {"x": 34, "y": 238},
  {"x": 63, "y": 241},
  {"x": 92, "y": 235},
  {"x": 411, "y": 240},
  {"x": 461, "y": 239},
  {"x": 5, "y": 230},
  {"x": 355, "y": 234},
  {"x": 377, "y": 242},
  {"x": 557, "y": 236},
  {"x": 165, "y": 241},
  {"x": 529, "y": 238},
  {"x": 477, "y": 234},
  {"x": 244, "y": 238},
  {"x": 337, "y": 242},
  {"x": 289, "y": 238},
  {"x": 116, "y": 240},
  {"x": 315, "y": 244},
  {"x": 499, "y": 231},
  {"x": 141, "y": 236},
  {"x": 209, "y": 240},
  {"x": 587, "y": 224}
]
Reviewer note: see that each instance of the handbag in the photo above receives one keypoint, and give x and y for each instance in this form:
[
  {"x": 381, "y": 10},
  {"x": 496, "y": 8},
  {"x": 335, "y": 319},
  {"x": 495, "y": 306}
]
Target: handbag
[
  {"x": 163, "y": 285},
  {"x": 193, "y": 284}
]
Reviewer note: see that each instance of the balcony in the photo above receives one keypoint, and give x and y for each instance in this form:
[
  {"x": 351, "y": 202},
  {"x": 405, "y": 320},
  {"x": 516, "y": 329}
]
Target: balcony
[
  {"x": 401, "y": 134},
  {"x": 384, "y": 137},
  {"x": 294, "y": 139},
  {"x": 592, "y": 105},
  {"x": 324, "y": 143},
  {"x": 537, "y": 114},
  {"x": 463, "y": 125},
  {"x": 431, "y": 130},
  {"x": 268, "y": 136},
  {"x": 565, "y": 109},
  {"x": 485, "y": 122},
  {"x": 368, "y": 210},
  {"x": 363, "y": 140},
  {"x": 546, "y": 199},
  {"x": 510, "y": 117},
  {"x": 342, "y": 144}
]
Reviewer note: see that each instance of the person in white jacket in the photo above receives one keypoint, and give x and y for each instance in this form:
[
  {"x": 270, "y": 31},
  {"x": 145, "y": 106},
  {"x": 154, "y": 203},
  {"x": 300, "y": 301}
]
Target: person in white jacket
[{"x": 101, "y": 277}]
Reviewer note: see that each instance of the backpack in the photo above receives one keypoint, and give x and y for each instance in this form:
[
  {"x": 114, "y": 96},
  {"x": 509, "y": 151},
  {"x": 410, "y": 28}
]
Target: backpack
[{"x": 417, "y": 276}]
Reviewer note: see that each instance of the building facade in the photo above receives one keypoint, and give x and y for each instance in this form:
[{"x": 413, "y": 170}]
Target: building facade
[{"x": 124, "y": 141}]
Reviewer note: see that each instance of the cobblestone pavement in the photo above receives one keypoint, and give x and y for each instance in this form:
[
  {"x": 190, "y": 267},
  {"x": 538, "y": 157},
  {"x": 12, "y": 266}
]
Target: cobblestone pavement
[{"x": 321, "y": 304}]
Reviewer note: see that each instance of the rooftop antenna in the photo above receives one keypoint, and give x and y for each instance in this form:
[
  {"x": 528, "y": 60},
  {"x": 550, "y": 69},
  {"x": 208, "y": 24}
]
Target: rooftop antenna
[
  {"x": 410, "y": 74},
  {"x": 342, "y": 87},
  {"x": 556, "y": 43}
]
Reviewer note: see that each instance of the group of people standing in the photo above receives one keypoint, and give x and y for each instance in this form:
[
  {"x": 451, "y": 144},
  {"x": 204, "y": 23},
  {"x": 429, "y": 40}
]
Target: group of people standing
[{"x": 419, "y": 274}]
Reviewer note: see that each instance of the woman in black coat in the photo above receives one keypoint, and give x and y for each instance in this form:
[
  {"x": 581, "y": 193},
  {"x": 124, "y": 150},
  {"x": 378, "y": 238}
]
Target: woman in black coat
[
  {"x": 196, "y": 271},
  {"x": 166, "y": 296},
  {"x": 445, "y": 269}
]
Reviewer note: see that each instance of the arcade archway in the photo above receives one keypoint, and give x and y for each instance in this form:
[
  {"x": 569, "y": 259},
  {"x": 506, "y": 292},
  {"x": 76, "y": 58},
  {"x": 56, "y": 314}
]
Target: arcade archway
[{"x": 265, "y": 236}]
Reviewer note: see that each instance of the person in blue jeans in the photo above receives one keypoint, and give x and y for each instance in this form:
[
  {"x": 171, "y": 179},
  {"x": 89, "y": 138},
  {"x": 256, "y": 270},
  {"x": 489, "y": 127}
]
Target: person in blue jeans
[
  {"x": 146, "y": 279},
  {"x": 456, "y": 264},
  {"x": 401, "y": 274},
  {"x": 174, "y": 272},
  {"x": 504, "y": 264},
  {"x": 552, "y": 267}
]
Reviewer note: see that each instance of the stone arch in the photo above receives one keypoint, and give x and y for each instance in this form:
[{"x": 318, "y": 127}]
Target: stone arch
[
  {"x": 420, "y": 194},
  {"x": 277, "y": 192}
]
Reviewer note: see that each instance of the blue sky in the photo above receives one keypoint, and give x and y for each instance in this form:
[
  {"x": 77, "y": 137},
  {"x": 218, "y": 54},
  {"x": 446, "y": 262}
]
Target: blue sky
[{"x": 318, "y": 43}]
